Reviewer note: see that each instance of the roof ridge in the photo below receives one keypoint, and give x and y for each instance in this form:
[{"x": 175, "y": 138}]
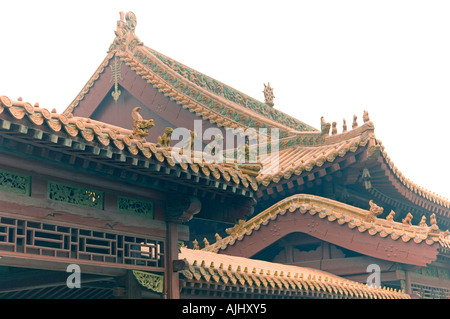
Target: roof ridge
[
  {"x": 217, "y": 87},
  {"x": 226, "y": 98}
]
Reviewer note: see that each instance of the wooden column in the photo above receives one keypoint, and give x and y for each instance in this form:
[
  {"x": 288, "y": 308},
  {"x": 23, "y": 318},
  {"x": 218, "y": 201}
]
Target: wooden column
[
  {"x": 408, "y": 288},
  {"x": 132, "y": 287},
  {"x": 179, "y": 208},
  {"x": 289, "y": 253},
  {"x": 171, "y": 276},
  {"x": 326, "y": 250}
]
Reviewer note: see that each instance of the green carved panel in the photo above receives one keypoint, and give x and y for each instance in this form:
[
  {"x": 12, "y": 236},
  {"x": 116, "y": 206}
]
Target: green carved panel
[
  {"x": 135, "y": 207},
  {"x": 15, "y": 183},
  {"x": 80, "y": 196}
]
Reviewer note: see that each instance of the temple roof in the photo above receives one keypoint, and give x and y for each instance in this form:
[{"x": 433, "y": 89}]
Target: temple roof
[
  {"x": 107, "y": 142},
  {"x": 312, "y": 150},
  {"x": 302, "y": 153},
  {"x": 205, "y": 96},
  {"x": 226, "y": 271},
  {"x": 302, "y": 147},
  {"x": 358, "y": 220}
]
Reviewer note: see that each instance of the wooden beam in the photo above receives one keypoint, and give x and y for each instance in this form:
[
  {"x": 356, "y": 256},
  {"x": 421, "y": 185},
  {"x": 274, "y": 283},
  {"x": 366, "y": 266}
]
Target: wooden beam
[{"x": 59, "y": 266}]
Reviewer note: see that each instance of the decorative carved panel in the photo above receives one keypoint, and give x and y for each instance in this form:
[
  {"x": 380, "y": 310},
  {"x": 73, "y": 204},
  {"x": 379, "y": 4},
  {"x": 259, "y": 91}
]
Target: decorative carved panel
[
  {"x": 135, "y": 207},
  {"x": 79, "y": 196},
  {"x": 15, "y": 183}
]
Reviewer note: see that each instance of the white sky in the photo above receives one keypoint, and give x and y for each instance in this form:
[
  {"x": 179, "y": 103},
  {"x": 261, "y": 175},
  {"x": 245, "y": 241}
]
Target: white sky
[{"x": 331, "y": 58}]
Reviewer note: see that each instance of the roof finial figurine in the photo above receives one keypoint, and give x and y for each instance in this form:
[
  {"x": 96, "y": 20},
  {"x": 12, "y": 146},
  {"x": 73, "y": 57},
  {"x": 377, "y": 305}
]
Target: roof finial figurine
[
  {"x": 334, "y": 128},
  {"x": 191, "y": 143},
  {"x": 374, "y": 211},
  {"x": 324, "y": 126},
  {"x": 125, "y": 37},
  {"x": 140, "y": 126},
  {"x": 407, "y": 219},
  {"x": 423, "y": 222},
  {"x": 355, "y": 122},
  {"x": 196, "y": 246},
  {"x": 268, "y": 94},
  {"x": 366, "y": 116},
  {"x": 164, "y": 140},
  {"x": 433, "y": 224},
  {"x": 344, "y": 127},
  {"x": 218, "y": 237},
  {"x": 391, "y": 215}
]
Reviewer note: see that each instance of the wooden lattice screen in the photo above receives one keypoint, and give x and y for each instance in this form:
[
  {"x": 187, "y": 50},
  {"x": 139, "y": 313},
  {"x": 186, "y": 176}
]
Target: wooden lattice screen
[
  {"x": 428, "y": 292},
  {"x": 50, "y": 240}
]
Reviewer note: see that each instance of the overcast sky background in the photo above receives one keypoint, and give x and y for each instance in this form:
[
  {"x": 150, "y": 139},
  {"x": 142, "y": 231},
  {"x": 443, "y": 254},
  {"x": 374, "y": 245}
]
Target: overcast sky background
[{"x": 322, "y": 58}]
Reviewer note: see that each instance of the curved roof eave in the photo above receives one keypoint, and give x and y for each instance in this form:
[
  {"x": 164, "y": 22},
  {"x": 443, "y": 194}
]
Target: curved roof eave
[{"x": 328, "y": 212}]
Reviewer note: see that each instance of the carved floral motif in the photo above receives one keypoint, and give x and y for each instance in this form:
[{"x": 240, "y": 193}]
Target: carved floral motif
[{"x": 151, "y": 281}]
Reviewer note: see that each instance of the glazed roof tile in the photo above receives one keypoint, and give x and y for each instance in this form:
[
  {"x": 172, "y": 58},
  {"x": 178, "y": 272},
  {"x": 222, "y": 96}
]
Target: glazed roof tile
[
  {"x": 200, "y": 94},
  {"x": 113, "y": 138},
  {"x": 295, "y": 159},
  {"x": 304, "y": 151},
  {"x": 302, "y": 147},
  {"x": 221, "y": 269},
  {"x": 355, "y": 218}
]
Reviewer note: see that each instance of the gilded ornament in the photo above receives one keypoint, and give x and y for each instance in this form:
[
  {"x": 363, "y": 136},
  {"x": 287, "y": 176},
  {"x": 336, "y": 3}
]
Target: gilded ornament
[
  {"x": 151, "y": 281},
  {"x": 433, "y": 224},
  {"x": 423, "y": 222},
  {"x": 391, "y": 215},
  {"x": 407, "y": 219},
  {"x": 164, "y": 140},
  {"x": 334, "y": 128},
  {"x": 268, "y": 95},
  {"x": 355, "y": 122},
  {"x": 140, "y": 126},
  {"x": 324, "y": 126},
  {"x": 115, "y": 77},
  {"x": 366, "y": 116},
  {"x": 79, "y": 196}
]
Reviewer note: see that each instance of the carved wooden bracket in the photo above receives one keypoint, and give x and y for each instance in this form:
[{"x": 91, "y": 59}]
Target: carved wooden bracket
[
  {"x": 181, "y": 208},
  {"x": 180, "y": 264}
]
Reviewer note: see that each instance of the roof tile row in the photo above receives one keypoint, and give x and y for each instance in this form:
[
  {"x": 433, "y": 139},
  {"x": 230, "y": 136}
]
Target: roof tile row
[
  {"x": 223, "y": 269},
  {"x": 105, "y": 135}
]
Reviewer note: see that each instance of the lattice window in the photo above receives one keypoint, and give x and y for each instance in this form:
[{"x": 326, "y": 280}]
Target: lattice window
[
  {"x": 135, "y": 207},
  {"x": 53, "y": 240},
  {"x": 15, "y": 183},
  {"x": 80, "y": 196},
  {"x": 428, "y": 292}
]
